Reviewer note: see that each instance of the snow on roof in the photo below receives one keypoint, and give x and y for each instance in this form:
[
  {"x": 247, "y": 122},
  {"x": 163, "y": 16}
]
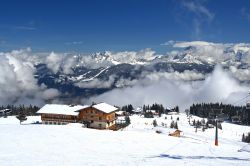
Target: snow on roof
[
  {"x": 104, "y": 107},
  {"x": 153, "y": 111},
  {"x": 138, "y": 110},
  {"x": 120, "y": 112},
  {"x": 5, "y": 110},
  {"x": 61, "y": 109},
  {"x": 172, "y": 113}
]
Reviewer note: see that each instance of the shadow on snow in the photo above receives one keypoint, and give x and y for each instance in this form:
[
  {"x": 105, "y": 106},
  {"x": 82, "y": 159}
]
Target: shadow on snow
[{"x": 178, "y": 157}]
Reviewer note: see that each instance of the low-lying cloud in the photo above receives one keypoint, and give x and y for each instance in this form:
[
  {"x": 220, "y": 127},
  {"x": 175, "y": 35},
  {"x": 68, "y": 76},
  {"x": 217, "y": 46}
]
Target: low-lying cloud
[
  {"x": 17, "y": 83},
  {"x": 220, "y": 86},
  {"x": 19, "y": 86}
]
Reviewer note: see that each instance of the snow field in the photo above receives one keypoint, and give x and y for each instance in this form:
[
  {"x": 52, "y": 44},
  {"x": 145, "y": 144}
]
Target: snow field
[{"x": 138, "y": 144}]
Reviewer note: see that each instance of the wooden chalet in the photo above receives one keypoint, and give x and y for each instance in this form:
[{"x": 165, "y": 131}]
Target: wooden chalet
[{"x": 98, "y": 116}]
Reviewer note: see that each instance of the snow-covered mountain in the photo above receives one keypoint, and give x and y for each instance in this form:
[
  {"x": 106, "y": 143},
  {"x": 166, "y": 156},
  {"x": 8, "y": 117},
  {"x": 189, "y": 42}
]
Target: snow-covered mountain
[
  {"x": 97, "y": 73},
  {"x": 81, "y": 75},
  {"x": 227, "y": 54}
]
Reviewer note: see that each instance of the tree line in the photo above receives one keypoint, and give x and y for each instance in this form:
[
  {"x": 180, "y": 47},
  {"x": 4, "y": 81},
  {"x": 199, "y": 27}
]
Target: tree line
[
  {"x": 16, "y": 110},
  {"x": 147, "y": 109},
  {"x": 230, "y": 112}
]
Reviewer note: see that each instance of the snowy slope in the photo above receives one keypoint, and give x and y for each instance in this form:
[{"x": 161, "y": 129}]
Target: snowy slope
[{"x": 138, "y": 144}]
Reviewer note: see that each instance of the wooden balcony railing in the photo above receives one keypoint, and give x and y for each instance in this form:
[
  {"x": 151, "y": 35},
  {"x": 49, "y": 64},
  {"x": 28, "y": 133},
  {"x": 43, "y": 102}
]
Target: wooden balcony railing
[{"x": 59, "y": 120}]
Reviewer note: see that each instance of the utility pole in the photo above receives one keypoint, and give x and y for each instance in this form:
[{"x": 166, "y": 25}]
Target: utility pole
[
  {"x": 216, "y": 111},
  {"x": 248, "y": 111},
  {"x": 216, "y": 132}
]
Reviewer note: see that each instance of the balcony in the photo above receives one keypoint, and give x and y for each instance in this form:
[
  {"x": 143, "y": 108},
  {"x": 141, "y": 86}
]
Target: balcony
[{"x": 59, "y": 120}]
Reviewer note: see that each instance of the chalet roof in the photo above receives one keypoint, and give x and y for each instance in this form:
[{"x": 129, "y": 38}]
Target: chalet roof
[
  {"x": 104, "y": 107},
  {"x": 120, "y": 112},
  {"x": 61, "y": 109},
  {"x": 137, "y": 110}
]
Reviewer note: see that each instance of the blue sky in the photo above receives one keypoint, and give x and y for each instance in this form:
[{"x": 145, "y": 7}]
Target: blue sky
[{"x": 117, "y": 25}]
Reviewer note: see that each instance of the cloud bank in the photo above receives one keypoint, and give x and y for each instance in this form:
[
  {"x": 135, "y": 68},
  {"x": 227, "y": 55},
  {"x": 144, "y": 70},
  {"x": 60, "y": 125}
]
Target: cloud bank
[
  {"x": 227, "y": 83},
  {"x": 217, "y": 87},
  {"x": 17, "y": 83}
]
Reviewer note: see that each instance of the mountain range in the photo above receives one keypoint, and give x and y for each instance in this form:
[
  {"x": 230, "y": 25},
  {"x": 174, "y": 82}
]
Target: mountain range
[{"x": 88, "y": 75}]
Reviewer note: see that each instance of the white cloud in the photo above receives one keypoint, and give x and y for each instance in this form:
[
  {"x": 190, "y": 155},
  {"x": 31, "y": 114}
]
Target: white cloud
[
  {"x": 192, "y": 43},
  {"x": 187, "y": 75},
  {"x": 219, "y": 86},
  {"x": 241, "y": 74},
  {"x": 245, "y": 13},
  {"x": 28, "y": 28},
  {"x": 62, "y": 62},
  {"x": 209, "y": 52},
  {"x": 74, "y": 43},
  {"x": 17, "y": 84},
  {"x": 53, "y": 61},
  {"x": 198, "y": 8},
  {"x": 201, "y": 15}
]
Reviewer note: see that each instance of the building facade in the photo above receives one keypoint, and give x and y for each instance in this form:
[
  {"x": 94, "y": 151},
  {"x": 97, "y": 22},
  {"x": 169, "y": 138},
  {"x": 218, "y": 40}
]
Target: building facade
[
  {"x": 98, "y": 116},
  {"x": 59, "y": 114}
]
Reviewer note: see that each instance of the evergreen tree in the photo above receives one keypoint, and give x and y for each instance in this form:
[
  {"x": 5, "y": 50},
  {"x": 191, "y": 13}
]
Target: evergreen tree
[
  {"x": 219, "y": 126},
  {"x": 155, "y": 123},
  {"x": 127, "y": 120},
  {"x": 177, "y": 109},
  {"x": 243, "y": 138},
  {"x": 203, "y": 128},
  {"x": 194, "y": 123},
  {"x": 21, "y": 116},
  {"x": 172, "y": 124},
  {"x": 176, "y": 125}
]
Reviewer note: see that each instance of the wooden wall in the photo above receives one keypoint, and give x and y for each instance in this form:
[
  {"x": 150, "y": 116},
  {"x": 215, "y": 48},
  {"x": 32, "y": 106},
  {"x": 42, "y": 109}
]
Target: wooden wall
[
  {"x": 95, "y": 117},
  {"x": 58, "y": 118}
]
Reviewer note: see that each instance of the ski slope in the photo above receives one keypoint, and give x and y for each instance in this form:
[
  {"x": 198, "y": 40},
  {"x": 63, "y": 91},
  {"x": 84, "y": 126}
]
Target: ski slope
[
  {"x": 138, "y": 144},
  {"x": 92, "y": 78}
]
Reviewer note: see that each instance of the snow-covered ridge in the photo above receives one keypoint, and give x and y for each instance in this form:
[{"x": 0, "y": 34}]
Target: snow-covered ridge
[{"x": 198, "y": 52}]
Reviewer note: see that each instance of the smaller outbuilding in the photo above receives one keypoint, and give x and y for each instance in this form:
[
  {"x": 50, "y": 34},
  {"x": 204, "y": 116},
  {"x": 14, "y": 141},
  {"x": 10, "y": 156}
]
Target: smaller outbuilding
[
  {"x": 176, "y": 133},
  {"x": 5, "y": 112}
]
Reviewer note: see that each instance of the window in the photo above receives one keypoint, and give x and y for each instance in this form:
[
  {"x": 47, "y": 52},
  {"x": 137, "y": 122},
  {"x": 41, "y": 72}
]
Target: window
[
  {"x": 100, "y": 125},
  {"x": 100, "y": 118},
  {"x": 92, "y": 121}
]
